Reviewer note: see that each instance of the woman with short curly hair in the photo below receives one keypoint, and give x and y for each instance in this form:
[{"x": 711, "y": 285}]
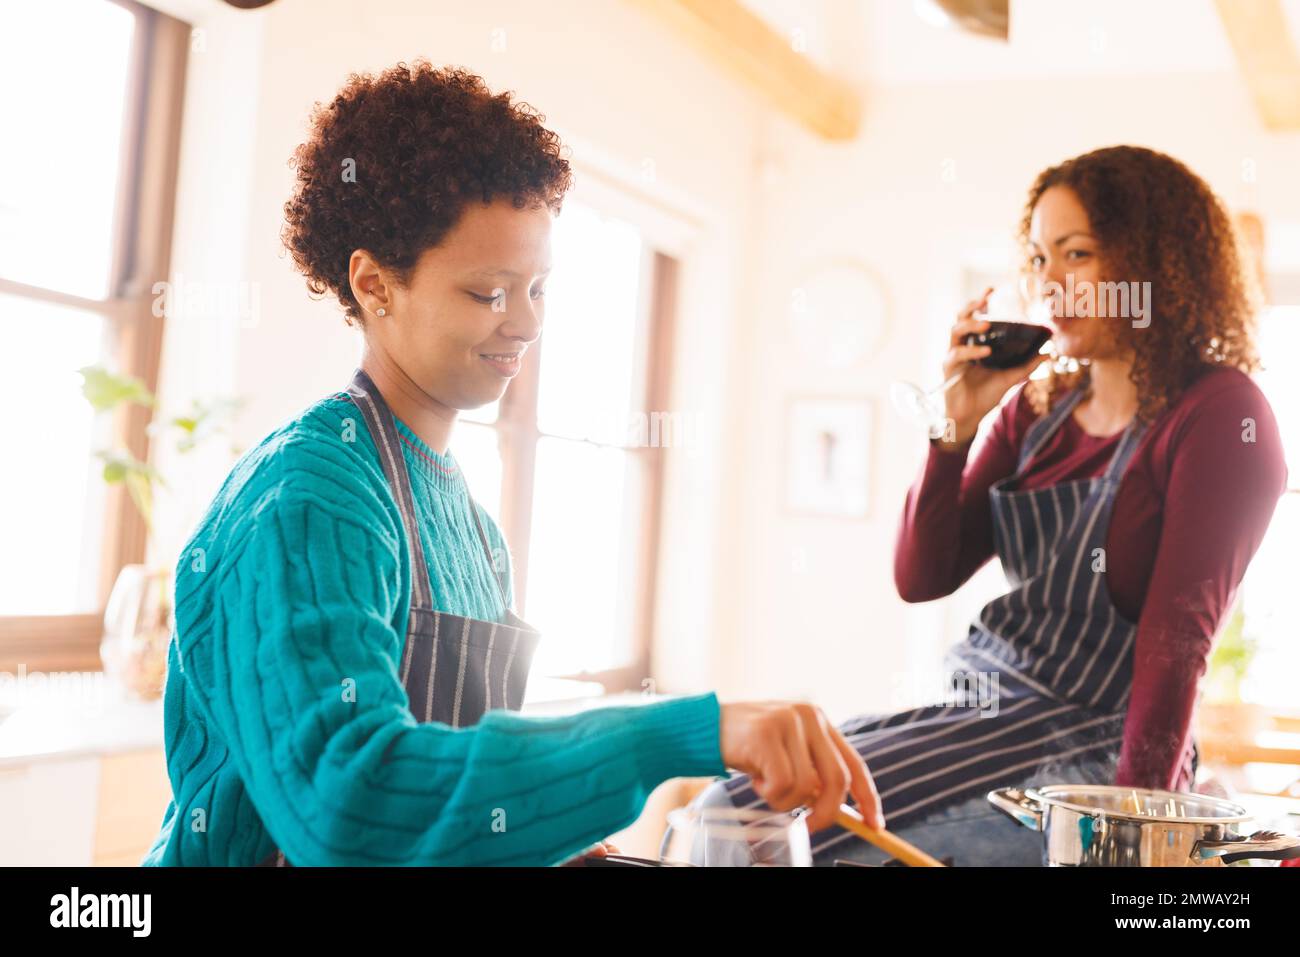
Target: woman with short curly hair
[
  {"x": 1124, "y": 495},
  {"x": 346, "y": 662}
]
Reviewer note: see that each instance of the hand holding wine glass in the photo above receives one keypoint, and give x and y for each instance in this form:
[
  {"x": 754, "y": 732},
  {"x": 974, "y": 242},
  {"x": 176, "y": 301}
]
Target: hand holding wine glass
[
  {"x": 986, "y": 356},
  {"x": 983, "y": 378}
]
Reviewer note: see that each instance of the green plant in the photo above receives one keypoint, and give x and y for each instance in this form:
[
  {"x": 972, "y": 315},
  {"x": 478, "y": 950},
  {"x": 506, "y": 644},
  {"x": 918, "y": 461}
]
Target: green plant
[
  {"x": 1230, "y": 662},
  {"x": 106, "y": 391}
]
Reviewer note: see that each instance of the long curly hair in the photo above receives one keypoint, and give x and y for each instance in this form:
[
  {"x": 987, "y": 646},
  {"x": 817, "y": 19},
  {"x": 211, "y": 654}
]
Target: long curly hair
[
  {"x": 1156, "y": 221},
  {"x": 394, "y": 159}
]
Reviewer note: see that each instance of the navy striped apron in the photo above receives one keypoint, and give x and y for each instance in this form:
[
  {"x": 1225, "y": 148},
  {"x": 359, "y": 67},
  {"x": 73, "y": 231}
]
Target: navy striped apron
[
  {"x": 454, "y": 669},
  {"x": 1054, "y": 649}
]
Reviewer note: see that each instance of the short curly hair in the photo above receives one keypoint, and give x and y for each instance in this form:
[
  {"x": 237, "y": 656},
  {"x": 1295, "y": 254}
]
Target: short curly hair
[
  {"x": 394, "y": 159},
  {"x": 1156, "y": 221}
]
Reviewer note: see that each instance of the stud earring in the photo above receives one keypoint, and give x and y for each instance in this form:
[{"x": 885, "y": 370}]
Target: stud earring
[{"x": 381, "y": 311}]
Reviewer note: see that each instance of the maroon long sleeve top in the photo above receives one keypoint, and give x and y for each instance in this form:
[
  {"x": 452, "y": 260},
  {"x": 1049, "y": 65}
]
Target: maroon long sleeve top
[{"x": 1189, "y": 514}]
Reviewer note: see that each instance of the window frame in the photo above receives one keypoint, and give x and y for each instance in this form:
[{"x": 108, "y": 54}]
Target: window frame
[
  {"x": 1280, "y": 717},
  {"x": 518, "y": 435},
  {"x": 143, "y": 222}
]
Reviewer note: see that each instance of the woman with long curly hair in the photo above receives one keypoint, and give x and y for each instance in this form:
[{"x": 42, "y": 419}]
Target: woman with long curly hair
[
  {"x": 1124, "y": 493},
  {"x": 346, "y": 662}
]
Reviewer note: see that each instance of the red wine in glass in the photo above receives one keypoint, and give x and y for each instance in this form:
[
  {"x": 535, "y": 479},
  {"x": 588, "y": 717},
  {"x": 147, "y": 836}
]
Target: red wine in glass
[
  {"x": 1013, "y": 340},
  {"x": 1012, "y": 343}
]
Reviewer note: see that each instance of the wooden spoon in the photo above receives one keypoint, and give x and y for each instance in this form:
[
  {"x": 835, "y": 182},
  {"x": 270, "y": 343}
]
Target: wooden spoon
[{"x": 895, "y": 846}]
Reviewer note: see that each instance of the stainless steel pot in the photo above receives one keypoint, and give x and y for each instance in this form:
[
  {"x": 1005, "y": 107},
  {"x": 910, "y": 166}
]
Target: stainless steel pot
[{"x": 1096, "y": 825}]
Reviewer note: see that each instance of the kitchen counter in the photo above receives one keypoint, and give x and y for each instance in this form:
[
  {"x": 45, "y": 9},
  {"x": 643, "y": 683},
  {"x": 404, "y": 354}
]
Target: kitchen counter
[
  {"x": 87, "y": 714},
  {"x": 84, "y": 714}
]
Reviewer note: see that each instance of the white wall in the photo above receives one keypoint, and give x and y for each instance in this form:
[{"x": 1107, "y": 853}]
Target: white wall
[{"x": 201, "y": 341}]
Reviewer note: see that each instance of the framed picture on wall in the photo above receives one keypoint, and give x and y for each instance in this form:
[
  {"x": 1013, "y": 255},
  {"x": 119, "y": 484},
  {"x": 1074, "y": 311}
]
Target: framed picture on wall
[{"x": 828, "y": 456}]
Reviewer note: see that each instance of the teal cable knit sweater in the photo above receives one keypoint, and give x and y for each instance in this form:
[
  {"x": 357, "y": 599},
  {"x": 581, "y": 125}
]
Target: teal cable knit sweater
[{"x": 297, "y": 579}]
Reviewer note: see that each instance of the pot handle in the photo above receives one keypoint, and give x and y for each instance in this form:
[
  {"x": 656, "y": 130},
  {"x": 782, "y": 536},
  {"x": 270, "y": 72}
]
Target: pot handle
[
  {"x": 1015, "y": 804},
  {"x": 1262, "y": 844}
]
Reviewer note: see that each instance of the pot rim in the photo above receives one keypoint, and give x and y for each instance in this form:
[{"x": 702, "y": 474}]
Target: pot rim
[{"x": 1046, "y": 796}]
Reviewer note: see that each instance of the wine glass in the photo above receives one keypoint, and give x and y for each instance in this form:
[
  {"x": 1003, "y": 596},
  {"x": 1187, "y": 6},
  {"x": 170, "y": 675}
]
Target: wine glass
[
  {"x": 1019, "y": 328},
  {"x": 736, "y": 837}
]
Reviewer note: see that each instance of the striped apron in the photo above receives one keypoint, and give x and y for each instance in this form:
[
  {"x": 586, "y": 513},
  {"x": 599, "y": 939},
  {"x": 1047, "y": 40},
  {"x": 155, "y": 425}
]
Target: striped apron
[
  {"x": 454, "y": 669},
  {"x": 1043, "y": 676}
]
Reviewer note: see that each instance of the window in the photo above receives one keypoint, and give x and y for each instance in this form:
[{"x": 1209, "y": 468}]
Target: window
[
  {"x": 1268, "y": 592},
  {"x": 85, "y": 216},
  {"x": 572, "y": 455}
]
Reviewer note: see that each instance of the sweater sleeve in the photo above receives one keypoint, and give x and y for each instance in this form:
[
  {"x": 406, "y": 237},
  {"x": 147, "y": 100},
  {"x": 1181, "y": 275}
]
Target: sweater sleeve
[
  {"x": 1226, "y": 475},
  {"x": 288, "y": 646},
  {"x": 946, "y": 531}
]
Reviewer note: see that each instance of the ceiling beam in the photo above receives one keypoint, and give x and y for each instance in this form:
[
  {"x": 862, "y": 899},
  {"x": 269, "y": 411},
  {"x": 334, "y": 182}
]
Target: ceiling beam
[
  {"x": 1266, "y": 55},
  {"x": 745, "y": 44}
]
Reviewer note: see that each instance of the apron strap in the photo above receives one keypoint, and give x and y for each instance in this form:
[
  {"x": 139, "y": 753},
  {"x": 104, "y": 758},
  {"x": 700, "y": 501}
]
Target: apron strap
[
  {"x": 1046, "y": 427},
  {"x": 492, "y": 560},
  {"x": 1128, "y": 445},
  {"x": 380, "y": 421}
]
